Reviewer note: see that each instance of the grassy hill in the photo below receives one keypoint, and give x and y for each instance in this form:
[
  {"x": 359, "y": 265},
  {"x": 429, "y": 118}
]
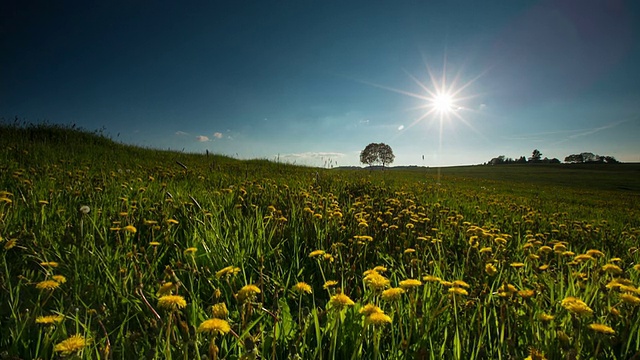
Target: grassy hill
[{"x": 115, "y": 251}]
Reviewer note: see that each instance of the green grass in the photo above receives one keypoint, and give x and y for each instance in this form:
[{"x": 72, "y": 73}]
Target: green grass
[{"x": 523, "y": 240}]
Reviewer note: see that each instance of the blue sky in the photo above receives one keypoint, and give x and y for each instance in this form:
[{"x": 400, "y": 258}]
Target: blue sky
[{"x": 314, "y": 82}]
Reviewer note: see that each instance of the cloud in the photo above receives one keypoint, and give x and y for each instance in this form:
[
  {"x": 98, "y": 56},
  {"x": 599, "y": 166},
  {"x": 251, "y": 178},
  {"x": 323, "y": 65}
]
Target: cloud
[
  {"x": 400, "y": 128},
  {"x": 217, "y": 135},
  {"x": 313, "y": 155},
  {"x": 181, "y": 133},
  {"x": 202, "y": 138}
]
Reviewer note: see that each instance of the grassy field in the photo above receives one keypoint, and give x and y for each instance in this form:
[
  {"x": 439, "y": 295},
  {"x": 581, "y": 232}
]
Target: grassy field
[{"x": 117, "y": 252}]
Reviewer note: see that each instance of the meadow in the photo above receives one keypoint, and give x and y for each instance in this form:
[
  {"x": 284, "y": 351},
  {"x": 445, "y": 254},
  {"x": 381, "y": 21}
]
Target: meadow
[{"x": 118, "y": 252}]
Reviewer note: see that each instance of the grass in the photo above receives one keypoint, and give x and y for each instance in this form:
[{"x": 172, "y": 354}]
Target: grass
[{"x": 115, "y": 252}]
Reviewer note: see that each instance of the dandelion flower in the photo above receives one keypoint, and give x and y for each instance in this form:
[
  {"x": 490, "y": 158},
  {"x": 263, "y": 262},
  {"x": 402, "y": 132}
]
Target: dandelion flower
[
  {"x": 601, "y": 328},
  {"x": 340, "y": 301},
  {"x": 490, "y": 269},
  {"x": 247, "y": 292},
  {"x": 612, "y": 269},
  {"x": 431, "y": 278},
  {"x": 329, "y": 283},
  {"x": 410, "y": 283},
  {"x": 630, "y": 299},
  {"x": 544, "y": 317},
  {"x": 636, "y": 267},
  {"x": 49, "y": 264},
  {"x": 172, "y": 302},
  {"x": 525, "y": 294},
  {"x": 59, "y": 278},
  {"x": 302, "y": 287},
  {"x": 377, "y": 318},
  {"x": 460, "y": 283},
  {"x": 73, "y": 344},
  {"x": 10, "y": 244},
  {"x": 215, "y": 326},
  {"x": 171, "y": 221},
  {"x": 130, "y": 229},
  {"x": 458, "y": 291},
  {"x": 486, "y": 250},
  {"x": 370, "y": 309},
  {"x": 376, "y": 281},
  {"x": 190, "y": 251},
  {"x": 220, "y": 311},
  {"x": 595, "y": 253},
  {"x": 576, "y": 306},
  {"x": 154, "y": 243},
  {"x": 47, "y": 285},
  {"x": 380, "y": 269},
  {"x": 227, "y": 271},
  {"x": 316, "y": 253},
  {"x": 165, "y": 289},
  {"x": 392, "y": 294},
  {"x": 517, "y": 265},
  {"x": 49, "y": 319}
]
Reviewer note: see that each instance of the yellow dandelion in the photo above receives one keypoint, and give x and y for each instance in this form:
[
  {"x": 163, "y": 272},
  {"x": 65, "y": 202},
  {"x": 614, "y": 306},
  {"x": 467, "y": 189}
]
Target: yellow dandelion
[
  {"x": 220, "y": 311},
  {"x": 316, "y": 253},
  {"x": 302, "y": 287},
  {"x": 410, "y": 283},
  {"x": 431, "y": 278},
  {"x": 545, "y": 249},
  {"x": 409, "y": 251},
  {"x": 340, "y": 301},
  {"x": 165, "y": 289},
  {"x": 446, "y": 283},
  {"x": 473, "y": 241},
  {"x": 172, "y": 222},
  {"x": 154, "y": 243},
  {"x": 49, "y": 319},
  {"x": 636, "y": 267},
  {"x": 59, "y": 278},
  {"x": 380, "y": 269},
  {"x": 614, "y": 311},
  {"x": 517, "y": 265},
  {"x": 130, "y": 229},
  {"x": 544, "y": 317},
  {"x": 215, "y": 326},
  {"x": 227, "y": 271},
  {"x": 248, "y": 291},
  {"x": 48, "y": 285},
  {"x": 392, "y": 294},
  {"x": 486, "y": 250},
  {"x": 172, "y": 302},
  {"x": 328, "y": 257},
  {"x": 490, "y": 269},
  {"x": 612, "y": 269},
  {"x": 458, "y": 291},
  {"x": 190, "y": 251},
  {"x": 576, "y": 306},
  {"x": 377, "y": 318},
  {"x": 595, "y": 253},
  {"x": 10, "y": 244},
  {"x": 370, "y": 309},
  {"x": 601, "y": 328},
  {"x": 630, "y": 299},
  {"x": 525, "y": 294},
  {"x": 376, "y": 281},
  {"x": 329, "y": 283},
  {"x": 73, "y": 344},
  {"x": 49, "y": 264},
  {"x": 543, "y": 267},
  {"x": 460, "y": 283}
]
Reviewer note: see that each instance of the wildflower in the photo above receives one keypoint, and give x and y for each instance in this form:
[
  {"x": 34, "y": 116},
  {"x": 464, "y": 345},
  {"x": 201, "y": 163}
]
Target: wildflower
[
  {"x": 84, "y": 209},
  {"x": 328, "y": 257},
  {"x": 458, "y": 291},
  {"x": 380, "y": 269},
  {"x": 59, "y": 278},
  {"x": 431, "y": 278},
  {"x": 220, "y": 310},
  {"x": 576, "y": 306},
  {"x": 545, "y": 249},
  {"x": 329, "y": 283},
  {"x": 10, "y": 244},
  {"x": 172, "y": 302},
  {"x": 215, "y": 326},
  {"x": 154, "y": 243},
  {"x": 392, "y": 294},
  {"x": 612, "y": 269},
  {"x": 544, "y": 317},
  {"x": 409, "y": 251},
  {"x": 47, "y": 285},
  {"x": 247, "y": 292},
  {"x": 370, "y": 309},
  {"x": 71, "y": 345},
  {"x": 376, "y": 281},
  {"x": 601, "y": 328},
  {"x": 227, "y": 271},
  {"x": 302, "y": 287},
  {"x": 486, "y": 250},
  {"x": 446, "y": 283},
  {"x": 473, "y": 241},
  {"x": 490, "y": 269},
  {"x": 559, "y": 248},
  {"x": 517, "y": 265},
  {"x": 630, "y": 299},
  {"x": 636, "y": 267},
  {"x": 526, "y": 293},
  {"x": 535, "y": 355},
  {"x": 460, "y": 283},
  {"x": 190, "y": 251},
  {"x": 377, "y": 318},
  {"x": 340, "y": 301},
  {"x": 49, "y": 264},
  {"x": 316, "y": 253},
  {"x": 130, "y": 229},
  {"x": 171, "y": 221},
  {"x": 410, "y": 283},
  {"x": 543, "y": 267},
  {"x": 165, "y": 289},
  {"x": 595, "y": 253},
  {"x": 49, "y": 319}
]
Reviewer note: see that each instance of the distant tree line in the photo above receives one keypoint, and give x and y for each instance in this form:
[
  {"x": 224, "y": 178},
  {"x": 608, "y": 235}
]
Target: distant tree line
[{"x": 536, "y": 157}]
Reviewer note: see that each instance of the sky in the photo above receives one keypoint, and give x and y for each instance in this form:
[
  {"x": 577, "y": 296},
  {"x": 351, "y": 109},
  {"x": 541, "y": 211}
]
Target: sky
[{"x": 314, "y": 82}]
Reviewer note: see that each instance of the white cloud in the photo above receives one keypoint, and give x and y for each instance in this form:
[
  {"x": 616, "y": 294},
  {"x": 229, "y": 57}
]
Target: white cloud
[
  {"x": 217, "y": 135},
  {"x": 181, "y": 133},
  {"x": 202, "y": 138},
  {"x": 400, "y": 128}
]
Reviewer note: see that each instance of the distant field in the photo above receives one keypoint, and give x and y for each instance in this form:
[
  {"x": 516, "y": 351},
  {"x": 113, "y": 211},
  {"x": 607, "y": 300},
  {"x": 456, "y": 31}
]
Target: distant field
[{"x": 117, "y": 252}]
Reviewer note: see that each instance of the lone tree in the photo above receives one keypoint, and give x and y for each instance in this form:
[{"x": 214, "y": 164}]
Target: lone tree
[
  {"x": 536, "y": 155},
  {"x": 377, "y": 154}
]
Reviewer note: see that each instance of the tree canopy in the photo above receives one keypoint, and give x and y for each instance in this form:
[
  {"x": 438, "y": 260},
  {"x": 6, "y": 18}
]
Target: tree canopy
[{"x": 377, "y": 153}]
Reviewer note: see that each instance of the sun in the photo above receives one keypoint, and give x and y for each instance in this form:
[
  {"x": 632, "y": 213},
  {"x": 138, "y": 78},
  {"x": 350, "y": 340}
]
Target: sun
[{"x": 443, "y": 103}]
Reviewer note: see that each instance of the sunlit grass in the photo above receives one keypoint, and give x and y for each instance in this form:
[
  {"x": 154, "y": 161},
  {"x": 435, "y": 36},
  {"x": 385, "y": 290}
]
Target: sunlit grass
[{"x": 110, "y": 250}]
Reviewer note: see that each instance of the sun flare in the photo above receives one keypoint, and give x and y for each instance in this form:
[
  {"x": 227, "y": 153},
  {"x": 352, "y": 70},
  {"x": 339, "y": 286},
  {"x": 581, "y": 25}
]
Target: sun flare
[{"x": 443, "y": 103}]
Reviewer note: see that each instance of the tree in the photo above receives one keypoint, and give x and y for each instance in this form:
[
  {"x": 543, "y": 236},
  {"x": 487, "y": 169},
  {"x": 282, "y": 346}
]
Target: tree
[
  {"x": 536, "y": 155},
  {"x": 376, "y": 153}
]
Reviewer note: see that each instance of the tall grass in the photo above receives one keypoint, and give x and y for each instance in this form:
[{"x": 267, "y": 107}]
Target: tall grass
[{"x": 95, "y": 235}]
